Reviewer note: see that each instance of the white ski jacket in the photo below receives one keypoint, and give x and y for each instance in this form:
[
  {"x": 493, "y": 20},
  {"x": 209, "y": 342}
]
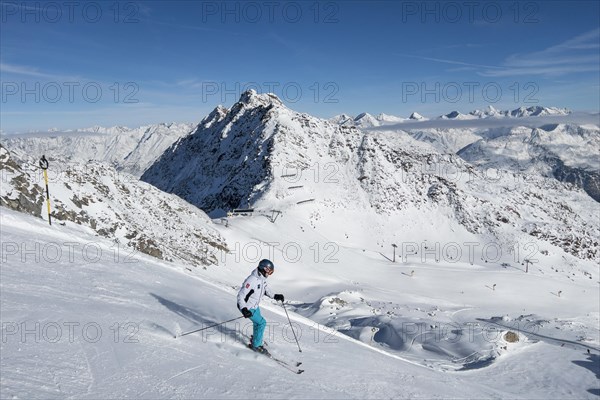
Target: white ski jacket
[{"x": 252, "y": 291}]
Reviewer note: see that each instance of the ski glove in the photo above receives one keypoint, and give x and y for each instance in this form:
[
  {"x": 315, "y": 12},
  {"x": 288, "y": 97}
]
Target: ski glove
[
  {"x": 278, "y": 297},
  {"x": 246, "y": 313}
]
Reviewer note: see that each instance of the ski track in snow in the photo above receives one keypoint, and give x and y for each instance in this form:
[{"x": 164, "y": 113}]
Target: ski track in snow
[{"x": 545, "y": 338}]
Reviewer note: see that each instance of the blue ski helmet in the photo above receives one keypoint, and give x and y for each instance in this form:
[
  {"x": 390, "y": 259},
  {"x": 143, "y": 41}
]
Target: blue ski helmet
[{"x": 266, "y": 267}]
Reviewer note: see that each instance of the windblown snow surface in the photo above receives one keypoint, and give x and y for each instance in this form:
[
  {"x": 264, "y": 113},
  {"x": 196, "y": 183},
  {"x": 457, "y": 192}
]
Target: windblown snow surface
[{"x": 81, "y": 320}]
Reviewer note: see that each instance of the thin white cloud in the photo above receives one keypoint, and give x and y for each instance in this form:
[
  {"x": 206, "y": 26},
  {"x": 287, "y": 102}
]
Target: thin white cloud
[
  {"x": 578, "y": 54},
  {"x": 32, "y": 72},
  {"x": 23, "y": 70},
  {"x": 549, "y": 71},
  {"x": 528, "y": 61},
  {"x": 453, "y": 62},
  {"x": 575, "y": 55},
  {"x": 186, "y": 82},
  {"x": 198, "y": 27}
]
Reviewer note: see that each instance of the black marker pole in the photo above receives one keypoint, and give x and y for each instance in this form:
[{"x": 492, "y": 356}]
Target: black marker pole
[{"x": 44, "y": 167}]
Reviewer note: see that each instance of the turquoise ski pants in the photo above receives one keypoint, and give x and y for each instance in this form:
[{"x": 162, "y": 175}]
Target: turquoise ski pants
[{"x": 258, "y": 327}]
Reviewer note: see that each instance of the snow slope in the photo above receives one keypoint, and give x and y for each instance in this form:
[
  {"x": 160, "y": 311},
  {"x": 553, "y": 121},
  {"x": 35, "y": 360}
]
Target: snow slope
[
  {"x": 73, "y": 326},
  {"x": 134, "y": 215}
]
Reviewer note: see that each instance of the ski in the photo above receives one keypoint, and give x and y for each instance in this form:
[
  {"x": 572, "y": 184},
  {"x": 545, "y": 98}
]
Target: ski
[
  {"x": 291, "y": 363},
  {"x": 287, "y": 366},
  {"x": 293, "y": 367}
]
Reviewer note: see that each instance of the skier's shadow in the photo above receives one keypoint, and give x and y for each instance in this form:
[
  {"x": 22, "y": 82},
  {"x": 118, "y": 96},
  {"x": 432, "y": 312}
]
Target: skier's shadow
[
  {"x": 593, "y": 364},
  {"x": 200, "y": 321}
]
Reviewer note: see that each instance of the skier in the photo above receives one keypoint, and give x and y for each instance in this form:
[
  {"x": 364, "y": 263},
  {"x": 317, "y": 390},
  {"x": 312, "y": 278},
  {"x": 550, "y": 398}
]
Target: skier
[{"x": 249, "y": 298}]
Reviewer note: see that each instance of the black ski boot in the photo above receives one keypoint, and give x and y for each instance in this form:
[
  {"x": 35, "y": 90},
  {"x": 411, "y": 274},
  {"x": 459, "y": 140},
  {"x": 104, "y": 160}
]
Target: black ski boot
[
  {"x": 252, "y": 338},
  {"x": 261, "y": 350}
]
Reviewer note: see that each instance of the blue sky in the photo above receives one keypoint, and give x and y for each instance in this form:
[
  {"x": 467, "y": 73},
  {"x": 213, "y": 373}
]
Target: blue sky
[{"x": 77, "y": 64}]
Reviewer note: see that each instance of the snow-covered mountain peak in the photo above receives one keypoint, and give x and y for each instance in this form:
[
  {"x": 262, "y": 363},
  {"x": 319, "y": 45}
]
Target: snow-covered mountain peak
[
  {"x": 105, "y": 130},
  {"x": 342, "y": 119},
  {"x": 456, "y": 115},
  {"x": 534, "y": 111},
  {"x": 452, "y": 115},
  {"x": 416, "y": 116},
  {"x": 366, "y": 120},
  {"x": 215, "y": 115},
  {"x": 251, "y": 98},
  {"x": 382, "y": 117},
  {"x": 250, "y": 145},
  {"x": 490, "y": 111}
]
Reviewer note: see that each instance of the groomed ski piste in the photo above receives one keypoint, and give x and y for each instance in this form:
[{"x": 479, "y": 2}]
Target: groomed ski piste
[{"x": 83, "y": 318}]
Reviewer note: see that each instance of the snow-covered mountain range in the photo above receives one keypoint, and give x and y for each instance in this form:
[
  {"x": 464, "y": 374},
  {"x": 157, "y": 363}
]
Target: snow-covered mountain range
[
  {"x": 259, "y": 150},
  {"x": 129, "y": 150},
  {"x": 520, "y": 140},
  {"x": 563, "y": 151},
  {"x": 112, "y": 204},
  {"x": 262, "y": 154},
  {"x": 567, "y": 152},
  {"x": 366, "y": 120},
  {"x": 417, "y": 262}
]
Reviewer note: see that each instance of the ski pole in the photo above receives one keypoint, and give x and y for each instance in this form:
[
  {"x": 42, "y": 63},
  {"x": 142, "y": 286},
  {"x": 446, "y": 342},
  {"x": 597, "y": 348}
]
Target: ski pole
[
  {"x": 212, "y": 326},
  {"x": 288, "y": 317}
]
